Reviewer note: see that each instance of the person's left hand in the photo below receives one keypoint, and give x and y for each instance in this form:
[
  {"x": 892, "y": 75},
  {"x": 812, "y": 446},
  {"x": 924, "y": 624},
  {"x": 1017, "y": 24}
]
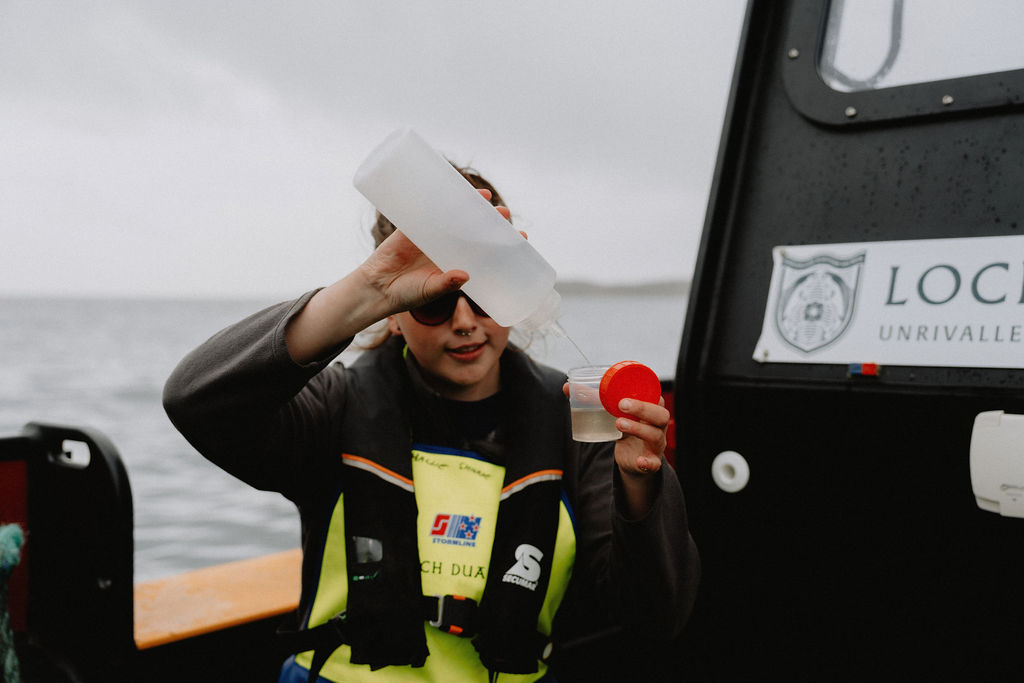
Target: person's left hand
[
  {"x": 638, "y": 453},
  {"x": 644, "y": 435}
]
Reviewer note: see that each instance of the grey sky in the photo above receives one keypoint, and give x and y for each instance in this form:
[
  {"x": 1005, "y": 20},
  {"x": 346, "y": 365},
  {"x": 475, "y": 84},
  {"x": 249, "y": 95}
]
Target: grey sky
[{"x": 206, "y": 148}]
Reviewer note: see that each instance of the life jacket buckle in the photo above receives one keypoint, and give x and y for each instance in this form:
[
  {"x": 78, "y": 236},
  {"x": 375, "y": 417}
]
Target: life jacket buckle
[{"x": 455, "y": 614}]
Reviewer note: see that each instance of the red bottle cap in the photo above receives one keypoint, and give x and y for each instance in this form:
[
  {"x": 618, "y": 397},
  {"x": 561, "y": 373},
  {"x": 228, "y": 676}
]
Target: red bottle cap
[{"x": 628, "y": 379}]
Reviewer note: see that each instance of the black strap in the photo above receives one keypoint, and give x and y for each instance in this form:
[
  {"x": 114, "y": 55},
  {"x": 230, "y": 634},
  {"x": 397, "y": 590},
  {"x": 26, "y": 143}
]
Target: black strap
[
  {"x": 384, "y": 591},
  {"x": 457, "y": 615},
  {"x": 454, "y": 614},
  {"x": 323, "y": 640}
]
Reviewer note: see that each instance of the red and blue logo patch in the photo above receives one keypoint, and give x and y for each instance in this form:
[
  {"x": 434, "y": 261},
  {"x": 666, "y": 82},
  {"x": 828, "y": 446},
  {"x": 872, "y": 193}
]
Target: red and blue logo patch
[{"x": 455, "y": 529}]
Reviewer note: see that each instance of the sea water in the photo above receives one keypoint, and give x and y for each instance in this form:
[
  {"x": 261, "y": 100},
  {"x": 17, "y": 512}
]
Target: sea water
[{"x": 102, "y": 363}]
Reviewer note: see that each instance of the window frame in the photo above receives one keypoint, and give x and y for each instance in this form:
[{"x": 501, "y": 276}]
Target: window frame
[{"x": 816, "y": 100}]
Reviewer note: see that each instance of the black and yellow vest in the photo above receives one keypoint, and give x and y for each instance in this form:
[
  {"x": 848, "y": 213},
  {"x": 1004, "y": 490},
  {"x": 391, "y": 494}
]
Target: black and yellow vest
[{"x": 424, "y": 526}]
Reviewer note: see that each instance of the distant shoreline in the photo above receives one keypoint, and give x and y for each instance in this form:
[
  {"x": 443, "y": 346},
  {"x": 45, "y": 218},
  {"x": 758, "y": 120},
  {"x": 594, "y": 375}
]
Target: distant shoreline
[
  {"x": 564, "y": 287},
  {"x": 585, "y": 288}
]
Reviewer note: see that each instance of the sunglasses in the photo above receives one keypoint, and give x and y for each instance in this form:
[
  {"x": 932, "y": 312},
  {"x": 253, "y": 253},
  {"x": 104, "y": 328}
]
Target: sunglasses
[{"x": 442, "y": 309}]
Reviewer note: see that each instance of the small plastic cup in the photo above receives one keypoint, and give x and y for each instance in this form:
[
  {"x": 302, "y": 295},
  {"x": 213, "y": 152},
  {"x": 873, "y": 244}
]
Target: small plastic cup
[
  {"x": 595, "y": 392},
  {"x": 591, "y": 423}
]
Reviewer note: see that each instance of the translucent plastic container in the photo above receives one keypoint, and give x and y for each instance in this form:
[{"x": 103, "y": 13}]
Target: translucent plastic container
[
  {"x": 427, "y": 199},
  {"x": 590, "y": 421}
]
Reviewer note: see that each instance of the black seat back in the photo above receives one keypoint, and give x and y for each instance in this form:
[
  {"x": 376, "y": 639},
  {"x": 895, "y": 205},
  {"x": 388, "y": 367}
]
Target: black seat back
[{"x": 74, "y": 500}]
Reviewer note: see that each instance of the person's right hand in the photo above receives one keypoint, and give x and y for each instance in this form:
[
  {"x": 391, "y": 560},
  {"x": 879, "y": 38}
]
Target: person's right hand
[
  {"x": 395, "y": 278},
  {"x": 405, "y": 277}
]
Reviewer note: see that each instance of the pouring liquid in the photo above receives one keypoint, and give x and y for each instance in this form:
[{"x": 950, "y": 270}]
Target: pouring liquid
[{"x": 560, "y": 331}]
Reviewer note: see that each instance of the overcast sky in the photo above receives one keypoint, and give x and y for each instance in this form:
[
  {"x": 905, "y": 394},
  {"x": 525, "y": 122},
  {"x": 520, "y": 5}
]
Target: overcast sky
[{"x": 207, "y": 148}]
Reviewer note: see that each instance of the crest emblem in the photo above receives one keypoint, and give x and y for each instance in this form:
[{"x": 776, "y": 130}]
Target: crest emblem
[{"x": 816, "y": 300}]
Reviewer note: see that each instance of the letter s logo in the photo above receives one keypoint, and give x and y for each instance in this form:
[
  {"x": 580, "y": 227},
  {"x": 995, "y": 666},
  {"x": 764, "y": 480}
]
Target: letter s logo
[
  {"x": 440, "y": 527},
  {"x": 527, "y": 562}
]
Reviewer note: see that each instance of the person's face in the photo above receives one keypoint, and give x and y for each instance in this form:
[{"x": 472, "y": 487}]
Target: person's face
[{"x": 459, "y": 357}]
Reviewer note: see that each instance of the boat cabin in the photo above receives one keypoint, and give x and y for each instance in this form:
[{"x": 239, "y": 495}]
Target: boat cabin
[{"x": 849, "y": 385}]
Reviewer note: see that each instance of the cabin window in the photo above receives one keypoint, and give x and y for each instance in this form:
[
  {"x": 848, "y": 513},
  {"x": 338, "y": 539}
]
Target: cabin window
[{"x": 873, "y": 44}]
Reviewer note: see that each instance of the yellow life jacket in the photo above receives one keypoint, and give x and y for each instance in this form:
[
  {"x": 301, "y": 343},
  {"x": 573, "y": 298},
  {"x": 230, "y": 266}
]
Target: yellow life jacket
[
  {"x": 457, "y": 495},
  {"x": 415, "y": 521}
]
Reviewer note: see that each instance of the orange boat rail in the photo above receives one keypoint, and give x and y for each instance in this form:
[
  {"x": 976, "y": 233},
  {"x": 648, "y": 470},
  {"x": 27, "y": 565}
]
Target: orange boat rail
[{"x": 211, "y": 599}]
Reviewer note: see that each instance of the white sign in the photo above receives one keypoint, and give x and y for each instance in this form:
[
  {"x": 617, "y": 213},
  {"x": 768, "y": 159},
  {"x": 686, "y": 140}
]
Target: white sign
[{"x": 942, "y": 302}]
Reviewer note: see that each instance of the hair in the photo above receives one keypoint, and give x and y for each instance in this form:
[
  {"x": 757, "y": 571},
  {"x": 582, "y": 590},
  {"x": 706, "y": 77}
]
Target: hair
[{"x": 382, "y": 229}]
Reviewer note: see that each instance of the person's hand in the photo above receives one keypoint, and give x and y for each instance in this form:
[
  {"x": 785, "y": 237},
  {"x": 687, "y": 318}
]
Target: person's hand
[
  {"x": 644, "y": 436},
  {"x": 405, "y": 276},
  {"x": 638, "y": 453},
  {"x": 396, "y": 277}
]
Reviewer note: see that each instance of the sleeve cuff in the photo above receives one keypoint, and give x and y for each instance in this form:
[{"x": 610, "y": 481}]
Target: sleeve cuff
[{"x": 281, "y": 345}]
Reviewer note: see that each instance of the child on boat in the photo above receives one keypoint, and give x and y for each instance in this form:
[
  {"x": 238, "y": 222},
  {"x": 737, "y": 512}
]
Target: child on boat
[{"x": 451, "y": 527}]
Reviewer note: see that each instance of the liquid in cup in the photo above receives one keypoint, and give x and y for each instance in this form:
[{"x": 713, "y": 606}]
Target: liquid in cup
[{"x": 591, "y": 423}]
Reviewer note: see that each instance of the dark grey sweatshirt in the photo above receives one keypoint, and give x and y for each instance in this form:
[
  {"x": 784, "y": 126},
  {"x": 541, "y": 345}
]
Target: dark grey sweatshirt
[{"x": 244, "y": 404}]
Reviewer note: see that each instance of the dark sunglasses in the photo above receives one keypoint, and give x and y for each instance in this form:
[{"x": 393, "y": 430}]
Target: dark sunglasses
[{"x": 442, "y": 309}]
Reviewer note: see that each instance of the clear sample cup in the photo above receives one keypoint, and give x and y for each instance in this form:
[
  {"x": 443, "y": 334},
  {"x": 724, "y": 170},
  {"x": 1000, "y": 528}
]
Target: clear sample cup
[
  {"x": 595, "y": 392},
  {"x": 590, "y": 421}
]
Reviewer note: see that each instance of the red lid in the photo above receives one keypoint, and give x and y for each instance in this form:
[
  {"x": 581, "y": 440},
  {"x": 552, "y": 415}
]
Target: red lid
[{"x": 628, "y": 379}]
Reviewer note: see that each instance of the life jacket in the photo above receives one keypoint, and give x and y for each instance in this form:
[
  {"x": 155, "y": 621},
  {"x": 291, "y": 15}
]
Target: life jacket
[{"x": 442, "y": 562}]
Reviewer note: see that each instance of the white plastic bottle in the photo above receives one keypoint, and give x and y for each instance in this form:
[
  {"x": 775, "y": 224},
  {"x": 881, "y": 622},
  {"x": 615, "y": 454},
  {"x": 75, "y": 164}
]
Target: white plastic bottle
[{"x": 434, "y": 206}]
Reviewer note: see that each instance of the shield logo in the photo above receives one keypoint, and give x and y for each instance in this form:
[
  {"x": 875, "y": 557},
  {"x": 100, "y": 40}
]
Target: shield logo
[{"x": 816, "y": 300}]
